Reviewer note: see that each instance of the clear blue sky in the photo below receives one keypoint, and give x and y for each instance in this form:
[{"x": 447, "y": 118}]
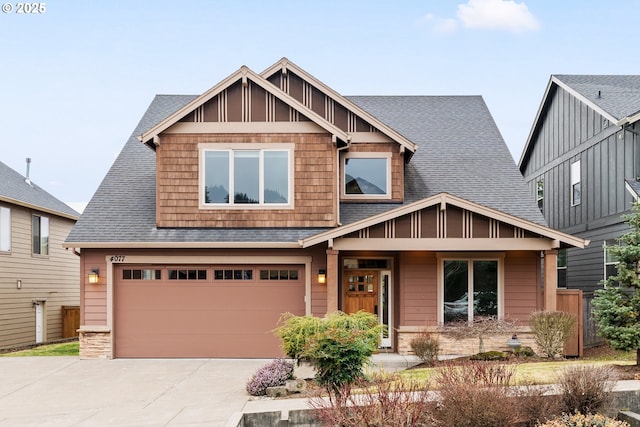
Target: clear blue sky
[{"x": 76, "y": 79}]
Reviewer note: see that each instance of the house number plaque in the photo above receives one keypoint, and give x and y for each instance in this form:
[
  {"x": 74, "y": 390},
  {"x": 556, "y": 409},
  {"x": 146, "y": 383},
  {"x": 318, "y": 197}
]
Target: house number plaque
[{"x": 117, "y": 258}]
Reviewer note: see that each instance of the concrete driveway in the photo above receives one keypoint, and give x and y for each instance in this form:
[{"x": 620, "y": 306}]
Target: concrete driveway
[{"x": 66, "y": 391}]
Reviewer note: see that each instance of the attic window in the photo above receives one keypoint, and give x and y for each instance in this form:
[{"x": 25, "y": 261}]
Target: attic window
[
  {"x": 256, "y": 177},
  {"x": 367, "y": 176}
]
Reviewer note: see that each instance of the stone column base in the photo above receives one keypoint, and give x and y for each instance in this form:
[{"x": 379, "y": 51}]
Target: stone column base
[{"x": 95, "y": 342}]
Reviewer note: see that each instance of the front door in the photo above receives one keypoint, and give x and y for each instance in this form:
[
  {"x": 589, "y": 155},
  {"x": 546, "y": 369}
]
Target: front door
[{"x": 361, "y": 291}]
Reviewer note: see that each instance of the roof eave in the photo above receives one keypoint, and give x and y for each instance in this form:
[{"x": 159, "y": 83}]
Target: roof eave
[
  {"x": 180, "y": 245},
  {"x": 38, "y": 208}
]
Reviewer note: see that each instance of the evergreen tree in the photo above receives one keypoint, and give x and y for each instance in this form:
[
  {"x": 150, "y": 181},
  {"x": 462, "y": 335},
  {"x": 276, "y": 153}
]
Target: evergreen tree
[{"x": 617, "y": 306}]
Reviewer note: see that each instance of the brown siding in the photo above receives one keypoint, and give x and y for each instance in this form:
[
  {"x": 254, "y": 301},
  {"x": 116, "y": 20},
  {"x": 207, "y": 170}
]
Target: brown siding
[
  {"x": 480, "y": 226},
  {"x": 234, "y": 102},
  {"x": 429, "y": 217},
  {"x": 314, "y": 185},
  {"x": 258, "y": 104},
  {"x": 521, "y": 285},
  {"x": 53, "y": 278},
  {"x": 418, "y": 285},
  {"x": 211, "y": 110},
  {"x": 454, "y": 222},
  {"x": 295, "y": 87},
  {"x": 403, "y": 227}
]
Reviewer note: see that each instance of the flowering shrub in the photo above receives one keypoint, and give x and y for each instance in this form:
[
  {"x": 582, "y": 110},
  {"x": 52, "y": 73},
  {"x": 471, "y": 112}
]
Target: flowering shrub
[
  {"x": 579, "y": 420},
  {"x": 273, "y": 374}
]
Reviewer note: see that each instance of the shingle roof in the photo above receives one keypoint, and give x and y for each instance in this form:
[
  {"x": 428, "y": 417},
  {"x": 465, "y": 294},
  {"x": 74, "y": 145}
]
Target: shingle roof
[
  {"x": 14, "y": 188},
  {"x": 616, "y": 94},
  {"x": 460, "y": 152}
]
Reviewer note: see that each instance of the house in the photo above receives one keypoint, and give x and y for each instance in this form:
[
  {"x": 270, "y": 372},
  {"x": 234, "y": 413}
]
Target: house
[
  {"x": 38, "y": 277},
  {"x": 272, "y": 193},
  {"x": 581, "y": 164}
]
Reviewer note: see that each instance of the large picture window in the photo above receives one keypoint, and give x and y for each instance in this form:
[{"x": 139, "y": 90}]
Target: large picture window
[
  {"x": 40, "y": 234},
  {"x": 470, "y": 289},
  {"x": 246, "y": 177},
  {"x": 366, "y": 175}
]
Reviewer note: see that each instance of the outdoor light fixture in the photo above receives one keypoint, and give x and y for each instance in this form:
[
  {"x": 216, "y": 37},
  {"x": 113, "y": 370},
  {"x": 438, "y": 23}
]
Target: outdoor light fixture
[
  {"x": 18, "y": 284},
  {"x": 322, "y": 276},
  {"x": 514, "y": 342},
  {"x": 94, "y": 276}
]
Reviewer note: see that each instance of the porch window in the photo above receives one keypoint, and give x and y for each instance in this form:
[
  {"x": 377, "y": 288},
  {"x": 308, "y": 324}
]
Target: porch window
[
  {"x": 561, "y": 268},
  {"x": 247, "y": 177},
  {"x": 40, "y": 235},
  {"x": 367, "y": 175},
  {"x": 470, "y": 289},
  {"x": 5, "y": 229}
]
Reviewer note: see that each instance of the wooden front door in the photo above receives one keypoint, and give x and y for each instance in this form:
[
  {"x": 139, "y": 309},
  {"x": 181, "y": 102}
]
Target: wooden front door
[{"x": 361, "y": 291}]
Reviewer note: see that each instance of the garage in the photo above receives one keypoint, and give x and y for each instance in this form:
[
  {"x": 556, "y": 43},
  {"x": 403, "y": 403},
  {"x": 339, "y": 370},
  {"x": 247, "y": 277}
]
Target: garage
[{"x": 203, "y": 311}]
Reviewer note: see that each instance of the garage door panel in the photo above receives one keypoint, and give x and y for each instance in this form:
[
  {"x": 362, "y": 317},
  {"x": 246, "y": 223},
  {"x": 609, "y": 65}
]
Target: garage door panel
[{"x": 203, "y": 318}]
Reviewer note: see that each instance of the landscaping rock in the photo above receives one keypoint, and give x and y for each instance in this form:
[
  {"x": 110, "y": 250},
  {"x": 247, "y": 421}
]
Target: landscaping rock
[
  {"x": 296, "y": 386},
  {"x": 279, "y": 391}
]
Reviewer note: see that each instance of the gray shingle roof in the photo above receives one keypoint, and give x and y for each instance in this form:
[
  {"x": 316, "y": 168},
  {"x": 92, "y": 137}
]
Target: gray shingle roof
[
  {"x": 619, "y": 95},
  {"x": 13, "y": 186},
  {"x": 460, "y": 152}
]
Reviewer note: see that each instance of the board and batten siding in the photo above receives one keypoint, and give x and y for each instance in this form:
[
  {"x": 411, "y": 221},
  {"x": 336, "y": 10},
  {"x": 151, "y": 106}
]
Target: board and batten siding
[
  {"x": 53, "y": 279},
  {"x": 570, "y": 131}
]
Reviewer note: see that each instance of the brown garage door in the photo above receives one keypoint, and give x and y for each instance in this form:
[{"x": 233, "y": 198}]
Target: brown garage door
[{"x": 203, "y": 311}]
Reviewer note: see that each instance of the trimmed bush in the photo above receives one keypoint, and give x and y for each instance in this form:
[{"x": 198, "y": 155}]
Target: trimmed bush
[
  {"x": 273, "y": 374},
  {"x": 552, "y": 330},
  {"x": 426, "y": 347},
  {"x": 585, "y": 389},
  {"x": 579, "y": 420}
]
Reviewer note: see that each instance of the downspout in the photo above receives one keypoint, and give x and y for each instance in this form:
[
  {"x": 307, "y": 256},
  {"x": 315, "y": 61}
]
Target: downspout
[{"x": 338, "y": 188}]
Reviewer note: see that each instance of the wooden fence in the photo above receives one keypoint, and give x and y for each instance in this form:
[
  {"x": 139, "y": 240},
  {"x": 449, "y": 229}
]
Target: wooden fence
[
  {"x": 590, "y": 330},
  {"x": 570, "y": 301},
  {"x": 70, "y": 321}
]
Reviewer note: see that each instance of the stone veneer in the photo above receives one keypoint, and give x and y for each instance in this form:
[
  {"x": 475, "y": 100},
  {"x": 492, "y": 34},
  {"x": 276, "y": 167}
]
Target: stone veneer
[
  {"x": 95, "y": 342},
  {"x": 468, "y": 346}
]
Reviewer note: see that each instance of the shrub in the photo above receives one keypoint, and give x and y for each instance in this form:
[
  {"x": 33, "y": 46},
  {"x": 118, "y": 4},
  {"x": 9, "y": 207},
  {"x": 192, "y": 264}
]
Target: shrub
[
  {"x": 390, "y": 401},
  {"x": 272, "y": 374},
  {"x": 552, "y": 330},
  {"x": 337, "y": 346},
  {"x": 426, "y": 347},
  {"x": 585, "y": 389},
  {"x": 535, "y": 404},
  {"x": 579, "y": 420},
  {"x": 475, "y": 394}
]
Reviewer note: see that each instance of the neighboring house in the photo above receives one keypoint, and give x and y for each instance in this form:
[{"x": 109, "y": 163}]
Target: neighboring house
[
  {"x": 272, "y": 193},
  {"x": 581, "y": 163},
  {"x": 38, "y": 277}
]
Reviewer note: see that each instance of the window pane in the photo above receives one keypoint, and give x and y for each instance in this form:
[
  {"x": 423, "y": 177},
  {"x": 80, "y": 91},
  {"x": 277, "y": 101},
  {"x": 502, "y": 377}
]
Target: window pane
[
  {"x": 246, "y": 177},
  {"x": 576, "y": 194},
  {"x": 35, "y": 230},
  {"x": 44, "y": 235},
  {"x": 561, "y": 260},
  {"x": 276, "y": 176},
  {"x": 485, "y": 288},
  {"x": 456, "y": 286},
  {"x": 365, "y": 176},
  {"x": 5, "y": 229},
  {"x": 216, "y": 186}
]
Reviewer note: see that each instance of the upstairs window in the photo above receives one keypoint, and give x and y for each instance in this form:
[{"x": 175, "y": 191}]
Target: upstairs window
[
  {"x": 576, "y": 193},
  {"x": 253, "y": 177},
  {"x": 367, "y": 176},
  {"x": 540, "y": 194},
  {"x": 40, "y": 234},
  {"x": 5, "y": 229}
]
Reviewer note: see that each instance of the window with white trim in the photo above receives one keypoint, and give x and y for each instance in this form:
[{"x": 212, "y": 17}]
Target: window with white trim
[
  {"x": 610, "y": 259},
  {"x": 5, "y": 229},
  {"x": 366, "y": 175},
  {"x": 576, "y": 191},
  {"x": 246, "y": 177},
  {"x": 40, "y": 235},
  {"x": 470, "y": 289}
]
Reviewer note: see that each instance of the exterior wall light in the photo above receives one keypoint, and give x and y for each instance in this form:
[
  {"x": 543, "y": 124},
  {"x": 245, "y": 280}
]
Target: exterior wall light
[
  {"x": 19, "y": 284},
  {"x": 94, "y": 276},
  {"x": 322, "y": 276}
]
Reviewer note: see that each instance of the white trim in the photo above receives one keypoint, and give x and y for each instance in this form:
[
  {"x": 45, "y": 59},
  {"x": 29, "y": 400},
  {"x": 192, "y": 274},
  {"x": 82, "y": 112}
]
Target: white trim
[
  {"x": 5, "y": 229},
  {"x": 576, "y": 179},
  {"x": 231, "y": 149},
  {"x": 446, "y": 244},
  {"x": 243, "y": 127},
  {"x": 499, "y": 257},
  {"x": 365, "y": 155}
]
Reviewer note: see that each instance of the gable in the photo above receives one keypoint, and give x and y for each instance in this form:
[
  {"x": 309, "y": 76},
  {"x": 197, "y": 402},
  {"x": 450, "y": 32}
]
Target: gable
[{"x": 445, "y": 222}]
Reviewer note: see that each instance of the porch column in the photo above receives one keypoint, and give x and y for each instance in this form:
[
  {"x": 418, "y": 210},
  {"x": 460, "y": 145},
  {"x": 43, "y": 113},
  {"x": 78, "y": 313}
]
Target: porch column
[
  {"x": 550, "y": 279},
  {"x": 332, "y": 280}
]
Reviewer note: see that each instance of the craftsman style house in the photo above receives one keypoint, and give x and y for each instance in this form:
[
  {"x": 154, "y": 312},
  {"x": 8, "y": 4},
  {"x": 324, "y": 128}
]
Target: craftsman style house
[
  {"x": 38, "y": 277},
  {"x": 272, "y": 193},
  {"x": 581, "y": 163}
]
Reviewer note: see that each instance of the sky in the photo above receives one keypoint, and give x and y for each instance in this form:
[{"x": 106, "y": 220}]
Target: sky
[{"x": 76, "y": 77}]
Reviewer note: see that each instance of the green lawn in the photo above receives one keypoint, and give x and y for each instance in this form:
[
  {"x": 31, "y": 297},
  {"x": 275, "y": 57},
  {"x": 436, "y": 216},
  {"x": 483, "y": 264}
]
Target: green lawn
[{"x": 62, "y": 349}]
